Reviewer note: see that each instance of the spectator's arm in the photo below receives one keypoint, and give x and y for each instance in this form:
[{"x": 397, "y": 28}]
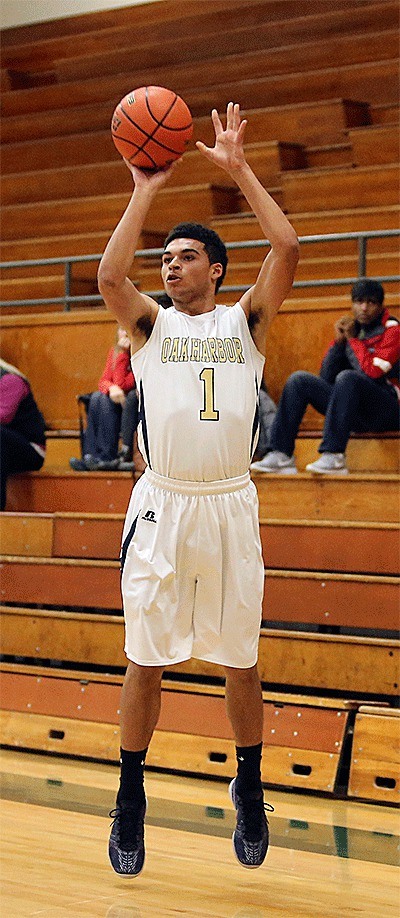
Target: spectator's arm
[
  {"x": 13, "y": 389},
  {"x": 385, "y": 354},
  {"x": 122, "y": 375},
  {"x": 333, "y": 362},
  {"x": 106, "y": 378}
]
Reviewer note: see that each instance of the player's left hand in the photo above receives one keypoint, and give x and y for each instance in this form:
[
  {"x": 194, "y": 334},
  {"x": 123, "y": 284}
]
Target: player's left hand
[{"x": 228, "y": 151}]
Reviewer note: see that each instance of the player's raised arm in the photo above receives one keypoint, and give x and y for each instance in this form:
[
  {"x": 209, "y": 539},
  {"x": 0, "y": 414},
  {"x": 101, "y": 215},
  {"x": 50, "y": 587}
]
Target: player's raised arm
[
  {"x": 275, "y": 279},
  {"x": 135, "y": 311}
]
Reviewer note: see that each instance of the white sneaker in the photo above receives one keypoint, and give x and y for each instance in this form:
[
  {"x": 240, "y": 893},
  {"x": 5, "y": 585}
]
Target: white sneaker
[
  {"x": 277, "y": 463},
  {"x": 329, "y": 463}
]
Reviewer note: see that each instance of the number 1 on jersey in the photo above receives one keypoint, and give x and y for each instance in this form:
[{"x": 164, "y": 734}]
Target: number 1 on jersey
[{"x": 208, "y": 412}]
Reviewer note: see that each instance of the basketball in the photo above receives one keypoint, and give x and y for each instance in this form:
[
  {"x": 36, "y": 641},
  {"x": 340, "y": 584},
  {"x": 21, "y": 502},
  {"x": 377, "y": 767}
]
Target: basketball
[{"x": 151, "y": 127}]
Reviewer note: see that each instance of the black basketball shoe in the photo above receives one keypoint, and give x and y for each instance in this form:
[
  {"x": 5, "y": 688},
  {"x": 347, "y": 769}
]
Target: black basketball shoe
[
  {"x": 126, "y": 845},
  {"x": 251, "y": 836}
]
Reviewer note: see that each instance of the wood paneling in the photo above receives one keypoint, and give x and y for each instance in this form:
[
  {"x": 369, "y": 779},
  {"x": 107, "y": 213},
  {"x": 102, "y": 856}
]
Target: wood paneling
[
  {"x": 335, "y": 600},
  {"x": 375, "y": 773},
  {"x": 28, "y": 139},
  {"x": 367, "y": 186},
  {"x": 300, "y": 545},
  {"x": 267, "y": 160},
  {"x": 365, "y": 497},
  {"x": 89, "y": 214},
  {"x": 375, "y": 144},
  {"x": 330, "y": 547},
  {"x": 286, "y": 658},
  {"x": 26, "y": 534}
]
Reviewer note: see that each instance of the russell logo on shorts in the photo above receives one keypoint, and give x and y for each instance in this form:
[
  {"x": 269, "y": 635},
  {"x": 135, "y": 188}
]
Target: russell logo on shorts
[{"x": 149, "y": 516}]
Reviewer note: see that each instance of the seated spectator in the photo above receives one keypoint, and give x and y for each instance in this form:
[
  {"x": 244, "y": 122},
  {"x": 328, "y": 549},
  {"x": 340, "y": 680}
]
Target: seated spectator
[
  {"x": 108, "y": 409},
  {"x": 22, "y": 427},
  {"x": 129, "y": 457},
  {"x": 267, "y": 412},
  {"x": 357, "y": 388}
]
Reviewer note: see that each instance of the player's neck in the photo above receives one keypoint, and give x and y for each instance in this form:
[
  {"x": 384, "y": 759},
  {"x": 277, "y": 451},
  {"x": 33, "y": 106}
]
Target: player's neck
[{"x": 195, "y": 307}]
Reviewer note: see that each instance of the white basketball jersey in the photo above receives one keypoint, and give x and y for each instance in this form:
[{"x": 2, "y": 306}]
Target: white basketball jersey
[{"x": 198, "y": 379}]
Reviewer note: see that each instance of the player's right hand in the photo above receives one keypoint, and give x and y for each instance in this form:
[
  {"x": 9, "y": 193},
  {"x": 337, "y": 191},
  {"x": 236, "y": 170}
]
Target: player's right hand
[{"x": 150, "y": 178}]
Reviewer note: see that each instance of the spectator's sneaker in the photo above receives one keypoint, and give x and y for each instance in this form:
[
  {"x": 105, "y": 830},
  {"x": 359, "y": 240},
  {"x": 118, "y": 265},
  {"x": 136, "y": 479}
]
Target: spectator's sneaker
[
  {"x": 329, "y": 464},
  {"x": 251, "y": 836},
  {"x": 126, "y": 845},
  {"x": 125, "y": 465},
  {"x": 87, "y": 464},
  {"x": 277, "y": 463},
  {"x": 78, "y": 465},
  {"x": 107, "y": 465},
  {"x": 92, "y": 464}
]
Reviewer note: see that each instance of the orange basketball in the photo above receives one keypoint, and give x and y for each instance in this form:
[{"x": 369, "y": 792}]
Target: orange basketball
[{"x": 151, "y": 127}]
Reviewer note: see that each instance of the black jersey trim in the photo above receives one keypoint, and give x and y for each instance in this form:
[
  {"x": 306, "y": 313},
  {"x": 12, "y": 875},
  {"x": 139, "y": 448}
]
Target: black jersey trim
[{"x": 144, "y": 426}]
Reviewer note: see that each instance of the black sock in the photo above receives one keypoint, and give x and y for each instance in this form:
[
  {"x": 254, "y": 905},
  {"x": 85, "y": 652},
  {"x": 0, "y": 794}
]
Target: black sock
[
  {"x": 248, "y": 778},
  {"x": 131, "y": 784}
]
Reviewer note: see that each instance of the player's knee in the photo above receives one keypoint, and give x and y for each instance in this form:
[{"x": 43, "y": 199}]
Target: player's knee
[{"x": 235, "y": 674}]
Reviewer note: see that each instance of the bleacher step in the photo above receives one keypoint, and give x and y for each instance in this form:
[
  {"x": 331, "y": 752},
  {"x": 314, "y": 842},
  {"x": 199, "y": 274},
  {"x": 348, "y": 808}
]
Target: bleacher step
[
  {"x": 313, "y": 598},
  {"x": 316, "y": 545},
  {"x": 360, "y": 496},
  {"x": 291, "y": 659}
]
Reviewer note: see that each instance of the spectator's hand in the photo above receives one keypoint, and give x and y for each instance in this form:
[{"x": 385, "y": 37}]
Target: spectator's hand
[
  {"x": 228, "y": 151},
  {"x": 117, "y": 395},
  {"x": 344, "y": 329}
]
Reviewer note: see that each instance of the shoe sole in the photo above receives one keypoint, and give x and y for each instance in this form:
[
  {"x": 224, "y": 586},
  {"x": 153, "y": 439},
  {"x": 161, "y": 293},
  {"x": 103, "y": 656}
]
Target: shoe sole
[
  {"x": 127, "y": 876},
  {"x": 246, "y": 866}
]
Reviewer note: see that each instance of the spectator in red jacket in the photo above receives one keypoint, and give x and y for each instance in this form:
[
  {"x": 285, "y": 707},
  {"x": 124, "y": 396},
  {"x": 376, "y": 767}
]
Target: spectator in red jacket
[
  {"x": 22, "y": 427},
  {"x": 108, "y": 409},
  {"x": 357, "y": 388}
]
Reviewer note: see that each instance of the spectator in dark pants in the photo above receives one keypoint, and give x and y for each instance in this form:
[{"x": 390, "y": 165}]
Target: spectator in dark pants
[
  {"x": 22, "y": 427},
  {"x": 357, "y": 388},
  {"x": 129, "y": 456},
  {"x": 109, "y": 408},
  {"x": 267, "y": 412}
]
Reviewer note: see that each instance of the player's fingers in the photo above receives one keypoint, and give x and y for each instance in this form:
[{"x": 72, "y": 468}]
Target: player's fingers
[
  {"x": 216, "y": 121},
  {"x": 229, "y": 116},
  {"x": 206, "y": 151},
  {"x": 241, "y": 129},
  {"x": 236, "y": 116}
]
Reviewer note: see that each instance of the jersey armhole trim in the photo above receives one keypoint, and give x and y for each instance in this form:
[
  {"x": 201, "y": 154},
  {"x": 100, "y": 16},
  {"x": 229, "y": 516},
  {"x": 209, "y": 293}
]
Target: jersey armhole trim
[
  {"x": 258, "y": 353},
  {"x": 144, "y": 346}
]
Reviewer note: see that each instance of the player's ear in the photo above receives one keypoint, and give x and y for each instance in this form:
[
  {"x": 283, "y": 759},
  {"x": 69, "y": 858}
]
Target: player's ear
[{"x": 216, "y": 270}]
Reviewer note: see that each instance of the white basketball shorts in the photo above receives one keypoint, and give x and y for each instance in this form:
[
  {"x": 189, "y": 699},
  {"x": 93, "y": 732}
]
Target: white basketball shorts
[{"x": 192, "y": 572}]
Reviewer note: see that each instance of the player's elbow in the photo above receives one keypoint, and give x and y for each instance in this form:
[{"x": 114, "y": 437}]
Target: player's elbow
[
  {"x": 108, "y": 279},
  {"x": 287, "y": 248},
  {"x": 292, "y": 247}
]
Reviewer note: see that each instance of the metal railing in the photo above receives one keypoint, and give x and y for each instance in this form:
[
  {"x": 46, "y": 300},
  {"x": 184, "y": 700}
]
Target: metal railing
[{"x": 68, "y": 300}]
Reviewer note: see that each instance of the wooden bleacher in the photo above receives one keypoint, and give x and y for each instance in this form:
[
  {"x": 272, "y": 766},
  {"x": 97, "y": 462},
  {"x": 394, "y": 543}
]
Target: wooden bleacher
[
  {"x": 303, "y": 738},
  {"x": 321, "y": 95},
  {"x": 375, "y": 763}
]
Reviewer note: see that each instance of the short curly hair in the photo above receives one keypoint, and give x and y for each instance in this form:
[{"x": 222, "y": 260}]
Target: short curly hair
[{"x": 213, "y": 244}]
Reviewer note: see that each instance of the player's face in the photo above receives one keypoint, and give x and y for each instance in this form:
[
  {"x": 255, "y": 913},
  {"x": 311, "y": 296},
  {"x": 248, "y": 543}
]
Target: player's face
[
  {"x": 186, "y": 271},
  {"x": 366, "y": 311}
]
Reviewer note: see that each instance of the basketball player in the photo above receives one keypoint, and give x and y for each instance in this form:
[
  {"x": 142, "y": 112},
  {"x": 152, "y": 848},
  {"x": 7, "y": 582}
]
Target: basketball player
[{"x": 192, "y": 570}]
